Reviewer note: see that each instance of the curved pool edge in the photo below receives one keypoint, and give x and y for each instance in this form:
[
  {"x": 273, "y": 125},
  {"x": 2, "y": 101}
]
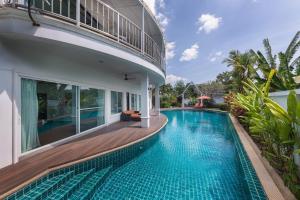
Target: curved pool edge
[
  {"x": 194, "y": 109},
  {"x": 263, "y": 173},
  {"x": 274, "y": 189},
  {"x": 88, "y": 158}
]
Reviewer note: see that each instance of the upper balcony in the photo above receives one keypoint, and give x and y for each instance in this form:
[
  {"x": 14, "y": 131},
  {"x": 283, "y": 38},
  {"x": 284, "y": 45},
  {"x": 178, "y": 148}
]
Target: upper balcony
[{"x": 126, "y": 22}]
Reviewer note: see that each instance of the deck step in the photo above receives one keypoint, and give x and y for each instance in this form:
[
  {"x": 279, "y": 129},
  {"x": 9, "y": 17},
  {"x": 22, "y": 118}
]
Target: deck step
[
  {"x": 41, "y": 190},
  {"x": 88, "y": 188},
  {"x": 65, "y": 190}
]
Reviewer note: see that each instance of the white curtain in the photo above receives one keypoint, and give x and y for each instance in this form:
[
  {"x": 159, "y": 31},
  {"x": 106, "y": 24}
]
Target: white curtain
[{"x": 29, "y": 114}]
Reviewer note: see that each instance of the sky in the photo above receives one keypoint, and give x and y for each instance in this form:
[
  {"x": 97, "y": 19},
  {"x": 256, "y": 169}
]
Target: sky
[{"x": 200, "y": 33}]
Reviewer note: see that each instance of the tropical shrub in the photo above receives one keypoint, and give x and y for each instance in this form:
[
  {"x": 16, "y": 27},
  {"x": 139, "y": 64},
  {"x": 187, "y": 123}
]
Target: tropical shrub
[
  {"x": 273, "y": 127},
  {"x": 235, "y": 109}
]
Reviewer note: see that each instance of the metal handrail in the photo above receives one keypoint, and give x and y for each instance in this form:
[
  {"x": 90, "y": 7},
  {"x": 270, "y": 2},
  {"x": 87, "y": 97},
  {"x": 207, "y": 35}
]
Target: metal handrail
[{"x": 101, "y": 18}]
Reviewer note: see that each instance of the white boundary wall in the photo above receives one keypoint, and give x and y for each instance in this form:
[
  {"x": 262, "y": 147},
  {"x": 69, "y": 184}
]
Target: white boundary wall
[{"x": 281, "y": 97}]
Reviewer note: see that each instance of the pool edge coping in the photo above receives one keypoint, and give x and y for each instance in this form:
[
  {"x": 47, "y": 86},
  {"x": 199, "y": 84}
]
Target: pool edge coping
[
  {"x": 49, "y": 170},
  {"x": 274, "y": 189},
  {"x": 194, "y": 109}
]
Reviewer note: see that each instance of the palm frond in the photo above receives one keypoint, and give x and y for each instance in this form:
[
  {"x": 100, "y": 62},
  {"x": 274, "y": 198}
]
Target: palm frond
[
  {"x": 268, "y": 49},
  {"x": 284, "y": 64},
  {"x": 293, "y": 47}
]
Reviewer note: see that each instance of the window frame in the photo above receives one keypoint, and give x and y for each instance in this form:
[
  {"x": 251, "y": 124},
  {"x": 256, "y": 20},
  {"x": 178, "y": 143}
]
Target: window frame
[
  {"x": 118, "y": 109},
  {"x": 18, "y": 79}
]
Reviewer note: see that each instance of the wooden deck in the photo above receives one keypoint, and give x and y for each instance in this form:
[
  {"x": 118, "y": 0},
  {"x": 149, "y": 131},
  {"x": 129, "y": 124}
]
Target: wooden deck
[{"x": 103, "y": 140}]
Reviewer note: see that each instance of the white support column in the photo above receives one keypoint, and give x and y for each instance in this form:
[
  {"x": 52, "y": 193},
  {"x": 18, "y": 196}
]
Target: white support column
[
  {"x": 145, "y": 118},
  {"x": 78, "y": 12},
  {"x": 157, "y": 100},
  {"x": 150, "y": 98},
  {"x": 124, "y": 101}
]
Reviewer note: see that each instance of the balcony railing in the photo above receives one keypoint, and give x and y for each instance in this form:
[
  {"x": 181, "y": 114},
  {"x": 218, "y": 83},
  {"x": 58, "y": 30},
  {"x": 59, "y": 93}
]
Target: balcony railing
[{"x": 101, "y": 18}]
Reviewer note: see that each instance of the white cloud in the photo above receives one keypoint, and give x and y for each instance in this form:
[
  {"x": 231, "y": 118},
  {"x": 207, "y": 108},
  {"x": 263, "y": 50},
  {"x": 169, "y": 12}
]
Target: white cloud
[
  {"x": 216, "y": 56},
  {"x": 170, "y": 50},
  {"x": 155, "y": 6},
  {"x": 212, "y": 59},
  {"x": 208, "y": 23},
  {"x": 161, "y": 3},
  {"x": 172, "y": 79},
  {"x": 190, "y": 54},
  {"x": 162, "y": 20},
  {"x": 152, "y": 5}
]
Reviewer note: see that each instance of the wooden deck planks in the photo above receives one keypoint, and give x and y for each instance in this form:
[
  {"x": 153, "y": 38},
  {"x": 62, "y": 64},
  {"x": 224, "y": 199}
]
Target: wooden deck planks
[{"x": 105, "y": 139}]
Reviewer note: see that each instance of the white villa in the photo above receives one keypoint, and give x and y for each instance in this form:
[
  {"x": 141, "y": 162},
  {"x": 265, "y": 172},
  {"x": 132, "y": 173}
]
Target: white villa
[{"x": 72, "y": 68}]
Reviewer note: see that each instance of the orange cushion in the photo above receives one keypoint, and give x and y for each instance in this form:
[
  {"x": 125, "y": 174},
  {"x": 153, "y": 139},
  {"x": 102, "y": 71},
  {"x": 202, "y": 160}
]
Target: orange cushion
[
  {"x": 135, "y": 116},
  {"x": 128, "y": 112}
]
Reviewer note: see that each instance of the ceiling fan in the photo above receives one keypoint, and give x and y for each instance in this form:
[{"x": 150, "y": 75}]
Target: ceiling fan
[{"x": 126, "y": 78}]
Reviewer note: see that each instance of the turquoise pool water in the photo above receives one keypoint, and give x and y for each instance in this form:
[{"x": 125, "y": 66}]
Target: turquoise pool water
[{"x": 196, "y": 156}]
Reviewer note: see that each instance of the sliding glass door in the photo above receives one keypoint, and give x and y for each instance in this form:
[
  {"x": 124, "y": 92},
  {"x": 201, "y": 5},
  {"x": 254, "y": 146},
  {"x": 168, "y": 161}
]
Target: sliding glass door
[
  {"x": 134, "y": 102},
  {"x": 116, "y": 102},
  {"x": 92, "y": 104},
  {"x": 54, "y": 111}
]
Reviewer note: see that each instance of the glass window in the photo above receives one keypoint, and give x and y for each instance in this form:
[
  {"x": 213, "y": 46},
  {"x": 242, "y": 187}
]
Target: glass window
[
  {"x": 92, "y": 112},
  {"x": 48, "y": 112},
  {"x": 116, "y": 102},
  {"x": 133, "y": 102},
  {"x": 140, "y": 102}
]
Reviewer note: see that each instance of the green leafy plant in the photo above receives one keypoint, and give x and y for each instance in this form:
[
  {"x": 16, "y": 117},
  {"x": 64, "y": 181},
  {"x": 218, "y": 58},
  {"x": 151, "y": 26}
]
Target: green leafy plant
[{"x": 273, "y": 127}]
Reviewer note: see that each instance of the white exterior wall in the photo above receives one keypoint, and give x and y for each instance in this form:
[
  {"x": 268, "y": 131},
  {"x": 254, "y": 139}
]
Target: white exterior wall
[
  {"x": 63, "y": 53},
  {"x": 6, "y": 116},
  {"x": 30, "y": 62},
  {"x": 281, "y": 97}
]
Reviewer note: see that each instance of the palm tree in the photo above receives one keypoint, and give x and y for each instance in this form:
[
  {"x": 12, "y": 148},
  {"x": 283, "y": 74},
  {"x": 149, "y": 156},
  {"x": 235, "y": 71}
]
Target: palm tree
[
  {"x": 243, "y": 67},
  {"x": 286, "y": 59},
  {"x": 283, "y": 80}
]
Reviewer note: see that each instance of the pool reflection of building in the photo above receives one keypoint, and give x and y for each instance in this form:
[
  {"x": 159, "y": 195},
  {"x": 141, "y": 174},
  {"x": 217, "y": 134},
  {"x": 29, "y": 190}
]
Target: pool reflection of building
[{"x": 86, "y": 63}]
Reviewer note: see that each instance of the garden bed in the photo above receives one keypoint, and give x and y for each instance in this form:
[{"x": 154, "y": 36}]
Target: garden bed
[{"x": 270, "y": 179}]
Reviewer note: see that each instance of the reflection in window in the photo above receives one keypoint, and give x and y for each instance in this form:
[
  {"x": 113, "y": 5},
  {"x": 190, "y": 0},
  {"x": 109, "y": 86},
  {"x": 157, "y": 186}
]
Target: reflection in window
[
  {"x": 48, "y": 112},
  {"x": 116, "y": 102},
  {"x": 133, "y": 102},
  {"x": 140, "y": 102},
  {"x": 92, "y": 102}
]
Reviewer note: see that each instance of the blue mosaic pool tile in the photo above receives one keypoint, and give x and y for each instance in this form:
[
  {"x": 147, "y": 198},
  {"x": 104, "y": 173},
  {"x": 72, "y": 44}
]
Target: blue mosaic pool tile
[
  {"x": 170, "y": 170},
  {"x": 134, "y": 175},
  {"x": 256, "y": 190},
  {"x": 65, "y": 190},
  {"x": 40, "y": 189},
  {"x": 87, "y": 190}
]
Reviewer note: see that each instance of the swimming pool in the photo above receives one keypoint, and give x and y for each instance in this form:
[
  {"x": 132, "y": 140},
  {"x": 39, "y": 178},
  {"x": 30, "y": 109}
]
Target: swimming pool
[{"x": 196, "y": 156}]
